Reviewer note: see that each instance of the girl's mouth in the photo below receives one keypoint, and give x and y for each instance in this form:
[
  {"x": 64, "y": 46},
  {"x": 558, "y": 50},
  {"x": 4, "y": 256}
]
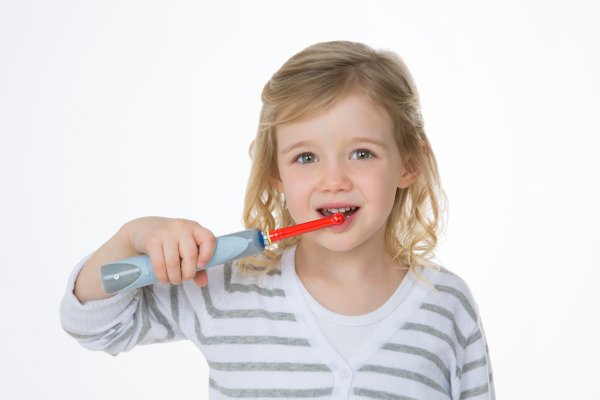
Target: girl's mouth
[{"x": 347, "y": 211}]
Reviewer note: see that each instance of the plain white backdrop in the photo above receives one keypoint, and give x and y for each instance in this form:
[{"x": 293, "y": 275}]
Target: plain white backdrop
[{"x": 113, "y": 110}]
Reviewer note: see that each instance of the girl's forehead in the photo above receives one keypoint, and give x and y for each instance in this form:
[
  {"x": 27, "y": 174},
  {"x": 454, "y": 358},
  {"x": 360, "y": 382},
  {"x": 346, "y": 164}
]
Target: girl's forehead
[
  {"x": 302, "y": 106},
  {"x": 351, "y": 116}
]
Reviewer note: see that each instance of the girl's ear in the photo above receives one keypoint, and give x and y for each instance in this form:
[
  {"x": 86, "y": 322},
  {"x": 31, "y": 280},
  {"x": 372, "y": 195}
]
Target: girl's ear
[
  {"x": 409, "y": 175},
  {"x": 411, "y": 167}
]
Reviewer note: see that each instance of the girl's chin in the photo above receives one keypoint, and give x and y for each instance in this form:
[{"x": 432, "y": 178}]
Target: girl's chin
[{"x": 335, "y": 243}]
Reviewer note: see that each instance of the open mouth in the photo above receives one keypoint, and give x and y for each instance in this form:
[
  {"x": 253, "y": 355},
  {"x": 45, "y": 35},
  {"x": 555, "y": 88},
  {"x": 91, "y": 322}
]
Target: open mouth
[{"x": 347, "y": 211}]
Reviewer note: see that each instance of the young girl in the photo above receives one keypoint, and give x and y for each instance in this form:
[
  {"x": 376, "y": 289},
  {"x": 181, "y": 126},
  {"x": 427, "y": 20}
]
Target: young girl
[{"x": 356, "y": 310}]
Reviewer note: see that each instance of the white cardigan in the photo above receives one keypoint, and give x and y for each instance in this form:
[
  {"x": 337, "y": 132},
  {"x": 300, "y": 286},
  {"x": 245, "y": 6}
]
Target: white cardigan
[{"x": 262, "y": 340}]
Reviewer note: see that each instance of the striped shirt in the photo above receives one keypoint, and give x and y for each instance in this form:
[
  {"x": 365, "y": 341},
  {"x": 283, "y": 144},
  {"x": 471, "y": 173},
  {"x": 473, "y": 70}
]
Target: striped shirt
[{"x": 262, "y": 341}]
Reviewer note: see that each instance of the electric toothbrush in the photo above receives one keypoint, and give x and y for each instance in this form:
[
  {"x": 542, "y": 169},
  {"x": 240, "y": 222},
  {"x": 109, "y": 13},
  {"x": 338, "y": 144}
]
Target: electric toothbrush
[{"x": 138, "y": 271}]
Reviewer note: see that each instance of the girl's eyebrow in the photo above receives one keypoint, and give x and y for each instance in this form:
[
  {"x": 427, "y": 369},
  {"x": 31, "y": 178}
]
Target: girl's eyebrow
[
  {"x": 360, "y": 139},
  {"x": 369, "y": 140},
  {"x": 295, "y": 146}
]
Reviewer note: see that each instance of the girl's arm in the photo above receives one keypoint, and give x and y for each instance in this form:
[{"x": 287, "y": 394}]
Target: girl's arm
[
  {"x": 88, "y": 285},
  {"x": 118, "y": 323},
  {"x": 476, "y": 380}
]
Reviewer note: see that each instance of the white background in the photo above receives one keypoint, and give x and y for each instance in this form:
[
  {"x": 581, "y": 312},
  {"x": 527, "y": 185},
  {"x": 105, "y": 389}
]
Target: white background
[{"x": 113, "y": 110}]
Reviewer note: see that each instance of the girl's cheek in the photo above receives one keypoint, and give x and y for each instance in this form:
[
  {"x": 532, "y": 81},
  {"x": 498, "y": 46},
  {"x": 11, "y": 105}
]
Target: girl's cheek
[{"x": 300, "y": 176}]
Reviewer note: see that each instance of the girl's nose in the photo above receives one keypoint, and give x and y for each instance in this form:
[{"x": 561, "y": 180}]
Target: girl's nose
[{"x": 334, "y": 177}]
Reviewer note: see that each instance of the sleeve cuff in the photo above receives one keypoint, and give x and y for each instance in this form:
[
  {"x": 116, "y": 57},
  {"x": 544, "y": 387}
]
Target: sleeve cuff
[{"x": 94, "y": 316}]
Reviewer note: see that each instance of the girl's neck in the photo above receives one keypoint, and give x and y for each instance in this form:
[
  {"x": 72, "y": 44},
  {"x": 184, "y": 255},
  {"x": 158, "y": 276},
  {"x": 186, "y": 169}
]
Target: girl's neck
[
  {"x": 366, "y": 263},
  {"x": 352, "y": 282}
]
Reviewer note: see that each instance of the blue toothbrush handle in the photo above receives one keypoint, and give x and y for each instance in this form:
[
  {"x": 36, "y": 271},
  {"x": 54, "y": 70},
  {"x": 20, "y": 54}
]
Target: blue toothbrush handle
[{"x": 138, "y": 271}]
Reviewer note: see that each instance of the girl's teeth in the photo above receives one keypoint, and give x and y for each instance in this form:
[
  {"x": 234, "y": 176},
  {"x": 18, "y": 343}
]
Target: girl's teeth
[
  {"x": 340, "y": 210},
  {"x": 327, "y": 212}
]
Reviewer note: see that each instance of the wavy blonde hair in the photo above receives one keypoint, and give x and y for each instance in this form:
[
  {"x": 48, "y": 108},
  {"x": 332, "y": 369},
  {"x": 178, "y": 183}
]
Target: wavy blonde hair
[{"x": 306, "y": 85}]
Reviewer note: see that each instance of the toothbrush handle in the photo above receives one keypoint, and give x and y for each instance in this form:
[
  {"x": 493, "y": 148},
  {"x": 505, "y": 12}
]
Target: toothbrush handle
[{"x": 138, "y": 271}]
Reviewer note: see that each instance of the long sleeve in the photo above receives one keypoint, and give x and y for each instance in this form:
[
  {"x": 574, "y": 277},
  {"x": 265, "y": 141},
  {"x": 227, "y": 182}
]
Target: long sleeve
[
  {"x": 120, "y": 322},
  {"x": 476, "y": 379}
]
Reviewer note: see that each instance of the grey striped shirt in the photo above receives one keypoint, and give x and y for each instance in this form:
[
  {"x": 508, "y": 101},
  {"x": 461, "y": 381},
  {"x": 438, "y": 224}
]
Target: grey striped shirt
[{"x": 262, "y": 342}]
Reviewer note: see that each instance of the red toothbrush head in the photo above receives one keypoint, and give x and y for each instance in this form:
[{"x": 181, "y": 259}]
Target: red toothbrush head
[{"x": 276, "y": 235}]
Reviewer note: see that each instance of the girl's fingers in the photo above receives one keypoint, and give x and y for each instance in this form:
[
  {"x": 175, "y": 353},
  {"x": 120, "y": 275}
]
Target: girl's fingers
[
  {"x": 171, "y": 250},
  {"x": 206, "y": 240},
  {"x": 175, "y": 253},
  {"x": 188, "y": 251},
  {"x": 201, "y": 278},
  {"x": 157, "y": 258}
]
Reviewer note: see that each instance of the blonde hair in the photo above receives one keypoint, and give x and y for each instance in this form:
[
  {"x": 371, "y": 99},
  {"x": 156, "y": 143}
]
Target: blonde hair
[{"x": 310, "y": 82}]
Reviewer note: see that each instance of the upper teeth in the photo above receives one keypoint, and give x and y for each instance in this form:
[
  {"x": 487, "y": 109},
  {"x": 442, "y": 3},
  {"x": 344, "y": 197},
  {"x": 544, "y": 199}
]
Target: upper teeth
[{"x": 340, "y": 210}]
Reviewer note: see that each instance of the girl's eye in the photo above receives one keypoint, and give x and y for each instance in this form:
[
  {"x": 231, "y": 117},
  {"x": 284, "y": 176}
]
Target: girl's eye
[
  {"x": 305, "y": 158},
  {"x": 361, "y": 154}
]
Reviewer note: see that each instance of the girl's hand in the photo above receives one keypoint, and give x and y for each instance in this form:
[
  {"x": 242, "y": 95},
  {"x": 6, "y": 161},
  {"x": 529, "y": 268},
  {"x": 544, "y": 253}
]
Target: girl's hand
[{"x": 172, "y": 245}]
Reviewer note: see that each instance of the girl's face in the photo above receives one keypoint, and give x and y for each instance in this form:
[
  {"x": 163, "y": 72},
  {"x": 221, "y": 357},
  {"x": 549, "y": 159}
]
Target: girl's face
[{"x": 343, "y": 160}]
